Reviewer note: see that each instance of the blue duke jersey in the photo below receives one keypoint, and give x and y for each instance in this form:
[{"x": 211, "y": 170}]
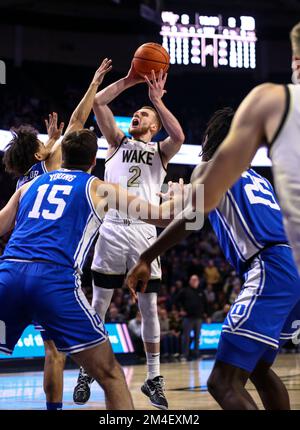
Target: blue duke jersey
[
  {"x": 56, "y": 220},
  {"x": 34, "y": 171},
  {"x": 247, "y": 220}
]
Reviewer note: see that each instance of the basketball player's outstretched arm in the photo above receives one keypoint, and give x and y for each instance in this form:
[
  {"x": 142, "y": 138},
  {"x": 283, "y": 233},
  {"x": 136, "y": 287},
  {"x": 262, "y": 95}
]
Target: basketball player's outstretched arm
[
  {"x": 80, "y": 114},
  {"x": 104, "y": 115},
  {"x": 107, "y": 196},
  {"x": 257, "y": 117},
  {"x": 172, "y": 144}
]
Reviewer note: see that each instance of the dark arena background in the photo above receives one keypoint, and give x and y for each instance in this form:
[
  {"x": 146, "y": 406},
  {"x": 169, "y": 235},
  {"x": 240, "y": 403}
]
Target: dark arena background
[{"x": 219, "y": 51}]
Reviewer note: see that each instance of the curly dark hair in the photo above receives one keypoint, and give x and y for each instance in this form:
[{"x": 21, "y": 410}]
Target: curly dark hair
[
  {"x": 19, "y": 153},
  {"x": 217, "y": 129}
]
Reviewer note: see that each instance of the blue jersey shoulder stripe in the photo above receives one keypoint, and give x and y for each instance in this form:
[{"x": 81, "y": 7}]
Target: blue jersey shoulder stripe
[
  {"x": 246, "y": 228},
  {"x": 227, "y": 228}
]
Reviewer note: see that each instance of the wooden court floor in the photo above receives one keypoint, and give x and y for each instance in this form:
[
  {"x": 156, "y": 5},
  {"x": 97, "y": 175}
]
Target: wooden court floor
[{"x": 185, "y": 386}]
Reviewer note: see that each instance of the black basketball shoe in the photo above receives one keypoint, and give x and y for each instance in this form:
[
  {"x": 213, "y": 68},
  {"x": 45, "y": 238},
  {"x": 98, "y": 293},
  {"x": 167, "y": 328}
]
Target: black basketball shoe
[
  {"x": 82, "y": 391},
  {"x": 154, "y": 389}
]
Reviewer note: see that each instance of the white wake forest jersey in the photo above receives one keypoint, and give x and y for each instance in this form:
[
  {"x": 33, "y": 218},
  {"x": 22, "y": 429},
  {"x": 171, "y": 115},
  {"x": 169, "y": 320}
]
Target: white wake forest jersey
[
  {"x": 285, "y": 156},
  {"x": 137, "y": 166}
]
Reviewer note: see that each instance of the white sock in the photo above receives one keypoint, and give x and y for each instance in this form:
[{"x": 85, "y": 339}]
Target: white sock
[{"x": 153, "y": 364}]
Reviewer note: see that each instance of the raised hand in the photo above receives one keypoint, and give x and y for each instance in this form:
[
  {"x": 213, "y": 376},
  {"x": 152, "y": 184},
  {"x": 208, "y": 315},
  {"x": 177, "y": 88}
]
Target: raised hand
[
  {"x": 133, "y": 77},
  {"x": 104, "y": 68},
  {"x": 53, "y": 131},
  {"x": 140, "y": 273},
  {"x": 156, "y": 85}
]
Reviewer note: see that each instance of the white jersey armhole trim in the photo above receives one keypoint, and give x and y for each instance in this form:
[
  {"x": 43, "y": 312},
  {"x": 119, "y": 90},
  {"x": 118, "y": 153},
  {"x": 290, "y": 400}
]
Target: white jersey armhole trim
[
  {"x": 284, "y": 118},
  {"x": 161, "y": 156},
  {"x": 117, "y": 149},
  {"x": 89, "y": 197}
]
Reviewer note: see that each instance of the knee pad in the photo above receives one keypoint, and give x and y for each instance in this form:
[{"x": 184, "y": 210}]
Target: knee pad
[
  {"x": 150, "y": 322},
  {"x": 101, "y": 300}
]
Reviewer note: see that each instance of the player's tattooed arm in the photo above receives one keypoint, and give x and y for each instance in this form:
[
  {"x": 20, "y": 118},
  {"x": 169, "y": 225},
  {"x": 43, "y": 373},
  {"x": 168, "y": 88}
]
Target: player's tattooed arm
[
  {"x": 172, "y": 144},
  {"x": 104, "y": 115}
]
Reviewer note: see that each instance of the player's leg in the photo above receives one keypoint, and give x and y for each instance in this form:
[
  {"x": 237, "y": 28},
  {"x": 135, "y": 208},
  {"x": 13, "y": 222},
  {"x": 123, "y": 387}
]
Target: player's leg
[
  {"x": 247, "y": 334},
  {"x": 101, "y": 364},
  {"x": 140, "y": 237},
  {"x": 271, "y": 389},
  {"x": 153, "y": 386},
  {"x": 109, "y": 265},
  {"x": 14, "y": 313},
  {"x": 53, "y": 375},
  {"x": 108, "y": 269},
  {"x": 237, "y": 357},
  {"x": 77, "y": 329},
  {"x": 103, "y": 289}
]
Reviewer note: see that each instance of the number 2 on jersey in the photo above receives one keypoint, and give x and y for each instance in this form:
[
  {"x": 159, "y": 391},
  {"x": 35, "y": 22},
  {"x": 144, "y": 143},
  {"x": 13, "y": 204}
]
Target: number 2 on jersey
[
  {"x": 52, "y": 199},
  {"x": 133, "y": 181}
]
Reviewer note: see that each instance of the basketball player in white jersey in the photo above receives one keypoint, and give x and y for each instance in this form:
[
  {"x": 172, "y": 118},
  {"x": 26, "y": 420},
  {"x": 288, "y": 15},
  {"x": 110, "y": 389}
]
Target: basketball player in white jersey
[{"x": 139, "y": 164}]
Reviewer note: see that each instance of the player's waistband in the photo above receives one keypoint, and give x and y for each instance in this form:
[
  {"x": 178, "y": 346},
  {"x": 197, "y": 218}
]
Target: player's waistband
[
  {"x": 123, "y": 221},
  {"x": 265, "y": 248},
  {"x": 38, "y": 260}
]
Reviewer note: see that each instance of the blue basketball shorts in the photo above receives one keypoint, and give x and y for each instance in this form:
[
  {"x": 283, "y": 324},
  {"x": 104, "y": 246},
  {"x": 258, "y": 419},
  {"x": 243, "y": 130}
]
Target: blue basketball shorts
[
  {"x": 50, "y": 295},
  {"x": 265, "y": 314}
]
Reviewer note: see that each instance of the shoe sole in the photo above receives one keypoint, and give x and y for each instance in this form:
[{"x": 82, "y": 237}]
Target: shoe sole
[{"x": 164, "y": 408}]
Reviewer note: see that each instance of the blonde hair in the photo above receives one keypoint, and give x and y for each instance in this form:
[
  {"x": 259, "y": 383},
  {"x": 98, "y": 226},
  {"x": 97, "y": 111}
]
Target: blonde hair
[{"x": 295, "y": 39}]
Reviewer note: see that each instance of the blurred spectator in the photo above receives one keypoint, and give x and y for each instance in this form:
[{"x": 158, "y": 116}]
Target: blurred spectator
[
  {"x": 211, "y": 273},
  {"x": 219, "y": 316},
  {"x": 193, "y": 307},
  {"x": 113, "y": 315},
  {"x": 210, "y": 298},
  {"x": 169, "y": 338}
]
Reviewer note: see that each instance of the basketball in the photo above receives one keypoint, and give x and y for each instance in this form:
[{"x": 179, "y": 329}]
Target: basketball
[{"x": 150, "y": 56}]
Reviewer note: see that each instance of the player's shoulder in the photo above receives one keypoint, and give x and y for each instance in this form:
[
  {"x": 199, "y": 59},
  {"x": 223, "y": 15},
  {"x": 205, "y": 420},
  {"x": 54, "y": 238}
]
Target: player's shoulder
[
  {"x": 95, "y": 183},
  {"x": 266, "y": 91}
]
